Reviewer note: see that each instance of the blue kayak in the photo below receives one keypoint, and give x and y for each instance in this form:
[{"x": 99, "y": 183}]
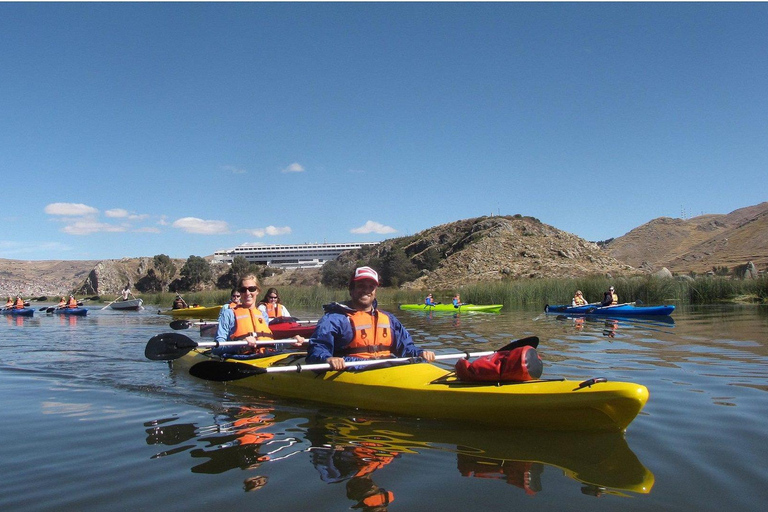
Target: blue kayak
[
  {"x": 19, "y": 312},
  {"x": 629, "y": 309},
  {"x": 70, "y": 311}
]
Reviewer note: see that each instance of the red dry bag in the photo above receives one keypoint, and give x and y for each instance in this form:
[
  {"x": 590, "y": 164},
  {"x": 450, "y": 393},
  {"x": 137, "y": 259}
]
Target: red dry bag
[{"x": 518, "y": 365}]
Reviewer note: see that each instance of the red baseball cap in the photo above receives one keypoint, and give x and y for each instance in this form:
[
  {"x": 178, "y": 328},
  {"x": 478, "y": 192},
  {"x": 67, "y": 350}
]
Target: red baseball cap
[{"x": 362, "y": 273}]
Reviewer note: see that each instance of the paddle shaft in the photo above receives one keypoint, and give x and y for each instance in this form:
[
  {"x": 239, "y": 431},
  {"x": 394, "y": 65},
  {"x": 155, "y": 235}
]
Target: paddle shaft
[
  {"x": 347, "y": 364},
  {"x": 243, "y": 343},
  {"x": 105, "y": 307}
]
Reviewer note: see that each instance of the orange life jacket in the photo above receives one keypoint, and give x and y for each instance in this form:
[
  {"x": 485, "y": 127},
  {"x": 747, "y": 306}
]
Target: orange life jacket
[
  {"x": 248, "y": 321},
  {"x": 19, "y": 303},
  {"x": 274, "y": 310},
  {"x": 372, "y": 336},
  {"x": 72, "y": 303},
  {"x": 381, "y": 498},
  {"x": 371, "y": 458}
]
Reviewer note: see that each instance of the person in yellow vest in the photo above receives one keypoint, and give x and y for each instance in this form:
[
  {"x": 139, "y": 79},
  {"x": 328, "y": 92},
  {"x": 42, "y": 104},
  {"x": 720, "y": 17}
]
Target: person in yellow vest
[
  {"x": 578, "y": 299},
  {"x": 610, "y": 298},
  {"x": 356, "y": 330},
  {"x": 245, "y": 322},
  {"x": 271, "y": 305}
]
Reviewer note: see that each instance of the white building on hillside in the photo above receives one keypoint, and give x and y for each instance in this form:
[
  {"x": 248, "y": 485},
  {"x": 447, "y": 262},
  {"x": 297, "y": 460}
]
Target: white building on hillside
[{"x": 288, "y": 256}]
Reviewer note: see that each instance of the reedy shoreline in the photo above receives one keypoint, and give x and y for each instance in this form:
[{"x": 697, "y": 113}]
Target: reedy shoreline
[{"x": 523, "y": 294}]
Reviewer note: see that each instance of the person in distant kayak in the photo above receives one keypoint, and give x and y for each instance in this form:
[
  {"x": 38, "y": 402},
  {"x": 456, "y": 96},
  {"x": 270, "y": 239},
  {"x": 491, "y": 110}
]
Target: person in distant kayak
[
  {"x": 245, "y": 322},
  {"x": 271, "y": 305},
  {"x": 610, "y": 298},
  {"x": 62, "y": 302},
  {"x": 179, "y": 303},
  {"x": 234, "y": 299},
  {"x": 457, "y": 301},
  {"x": 429, "y": 301},
  {"x": 578, "y": 299},
  {"x": 72, "y": 302},
  {"x": 357, "y": 330},
  {"x": 9, "y": 303},
  {"x": 19, "y": 304}
]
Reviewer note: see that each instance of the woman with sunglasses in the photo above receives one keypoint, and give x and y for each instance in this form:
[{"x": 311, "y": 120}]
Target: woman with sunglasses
[
  {"x": 245, "y": 322},
  {"x": 271, "y": 306}
]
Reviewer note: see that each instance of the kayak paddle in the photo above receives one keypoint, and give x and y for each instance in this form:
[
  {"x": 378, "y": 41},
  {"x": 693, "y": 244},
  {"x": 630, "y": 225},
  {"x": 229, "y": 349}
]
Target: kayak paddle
[
  {"x": 222, "y": 371},
  {"x": 173, "y": 345},
  {"x": 180, "y": 325}
]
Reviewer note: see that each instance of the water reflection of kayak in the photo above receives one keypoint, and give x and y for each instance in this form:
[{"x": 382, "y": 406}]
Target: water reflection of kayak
[{"x": 250, "y": 436}]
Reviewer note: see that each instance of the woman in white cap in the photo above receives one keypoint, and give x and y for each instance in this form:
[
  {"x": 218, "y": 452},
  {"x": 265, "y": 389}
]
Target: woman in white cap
[{"x": 357, "y": 330}]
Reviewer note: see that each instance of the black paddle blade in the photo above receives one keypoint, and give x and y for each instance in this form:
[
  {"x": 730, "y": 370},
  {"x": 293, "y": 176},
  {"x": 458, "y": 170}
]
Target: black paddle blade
[
  {"x": 531, "y": 341},
  {"x": 222, "y": 371},
  {"x": 167, "y": 346},
  {"x": 178, "y": 325}
]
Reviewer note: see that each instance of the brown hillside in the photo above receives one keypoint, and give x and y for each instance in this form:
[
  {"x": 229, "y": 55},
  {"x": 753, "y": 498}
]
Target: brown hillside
[
  {"x": 494, "y": 248},
  {"x": 697, "y": 244},
  {"x": 38, "y": 278}
]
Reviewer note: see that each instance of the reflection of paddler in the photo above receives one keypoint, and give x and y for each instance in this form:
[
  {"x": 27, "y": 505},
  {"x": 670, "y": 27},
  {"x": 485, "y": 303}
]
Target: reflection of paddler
[
  {"x": 240, "y": 443},
  {"x": 255, "y": 483},
  {"x": 520, "y": 473},
  {"x": 353, "y": 461},
  {"x": 369, "y": 496},
  {"x": 611, "y": 326}
]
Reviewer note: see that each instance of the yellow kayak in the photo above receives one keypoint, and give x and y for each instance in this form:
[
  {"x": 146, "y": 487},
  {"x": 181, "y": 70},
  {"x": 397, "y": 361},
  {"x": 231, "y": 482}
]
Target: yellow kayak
[
  {"x": 199, "y": 312},
  {"x": 427, "y": 390}
]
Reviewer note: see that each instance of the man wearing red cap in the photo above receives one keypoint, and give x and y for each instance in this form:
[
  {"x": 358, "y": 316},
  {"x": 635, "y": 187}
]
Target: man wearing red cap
[{"x": 356, "y": 330}]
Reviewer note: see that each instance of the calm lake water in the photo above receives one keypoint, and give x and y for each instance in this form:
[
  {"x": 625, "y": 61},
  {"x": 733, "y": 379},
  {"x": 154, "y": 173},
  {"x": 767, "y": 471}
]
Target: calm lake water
[{"x": 89, "y": 424}]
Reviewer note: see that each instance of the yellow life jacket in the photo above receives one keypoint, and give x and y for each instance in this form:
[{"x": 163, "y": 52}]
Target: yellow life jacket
[
  {"x": 372, "y": 336},
  {"x": 580, "y": 301},
  {"x": 249, "y": 322},
  {"x": 614, "y": 299}
]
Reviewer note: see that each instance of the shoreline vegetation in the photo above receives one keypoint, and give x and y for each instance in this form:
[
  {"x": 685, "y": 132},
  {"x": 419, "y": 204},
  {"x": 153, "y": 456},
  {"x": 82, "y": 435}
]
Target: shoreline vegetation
[{"x": 521, "y": 294}]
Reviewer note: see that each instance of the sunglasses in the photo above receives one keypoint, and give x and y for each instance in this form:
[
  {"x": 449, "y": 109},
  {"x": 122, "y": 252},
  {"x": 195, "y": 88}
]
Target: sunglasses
[
  {"x": 252, "y": 289},
  {"x": 272, "y": 297}
]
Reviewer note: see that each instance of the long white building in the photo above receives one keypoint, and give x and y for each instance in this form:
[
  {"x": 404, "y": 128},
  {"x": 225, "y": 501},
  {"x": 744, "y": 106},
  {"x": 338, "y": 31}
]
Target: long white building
[{"x": 288, "y": 256}]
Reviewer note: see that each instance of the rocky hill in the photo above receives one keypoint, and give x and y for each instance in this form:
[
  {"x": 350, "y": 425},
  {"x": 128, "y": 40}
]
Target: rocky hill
[
  {"x": 697, "y": 244},
  {"x": 495, "y": 248}
]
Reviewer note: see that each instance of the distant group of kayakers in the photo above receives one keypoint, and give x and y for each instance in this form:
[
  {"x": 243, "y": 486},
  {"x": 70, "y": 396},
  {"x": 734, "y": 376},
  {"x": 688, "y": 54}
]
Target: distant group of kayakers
[
  {"x": 19, "y": 303},
  {"x": 430, "y": 301},
  {"x": 610, "y": 298}
]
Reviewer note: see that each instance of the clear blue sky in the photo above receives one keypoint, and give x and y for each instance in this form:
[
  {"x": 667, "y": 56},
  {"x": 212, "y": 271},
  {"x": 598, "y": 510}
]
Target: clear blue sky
[{"x": 135, "y": 129}]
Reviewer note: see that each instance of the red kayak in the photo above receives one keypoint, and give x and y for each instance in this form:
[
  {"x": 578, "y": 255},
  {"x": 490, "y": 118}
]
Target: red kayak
[
  {"x": 282, "y": 328},
  {"x": 288, "y": 327}
]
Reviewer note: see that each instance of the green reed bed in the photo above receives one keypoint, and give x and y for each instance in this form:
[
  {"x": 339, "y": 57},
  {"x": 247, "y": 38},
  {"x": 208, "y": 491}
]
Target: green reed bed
[
  {"x": 647, "y": 290},
  {"x": 528, "y": 293}
]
